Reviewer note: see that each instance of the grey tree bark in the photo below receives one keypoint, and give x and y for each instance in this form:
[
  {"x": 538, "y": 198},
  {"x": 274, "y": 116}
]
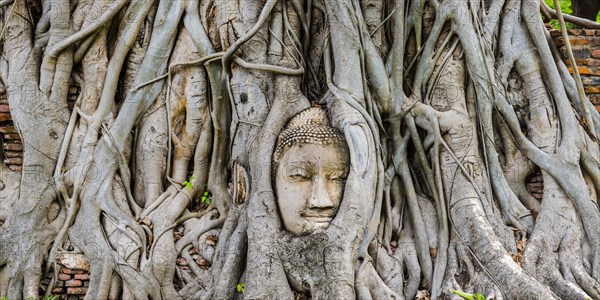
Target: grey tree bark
[{"x": 161, "y": 174}]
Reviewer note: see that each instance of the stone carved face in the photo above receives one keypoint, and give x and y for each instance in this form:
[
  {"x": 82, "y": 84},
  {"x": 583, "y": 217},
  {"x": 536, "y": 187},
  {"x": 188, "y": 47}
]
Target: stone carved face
[
  {"x": 310, "y": 185},
  {"x": 310, "y": 173}
]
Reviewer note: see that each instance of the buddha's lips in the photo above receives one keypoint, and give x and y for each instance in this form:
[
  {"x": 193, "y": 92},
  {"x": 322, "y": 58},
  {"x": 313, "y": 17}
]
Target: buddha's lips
[{"x": 318, "y": 219}]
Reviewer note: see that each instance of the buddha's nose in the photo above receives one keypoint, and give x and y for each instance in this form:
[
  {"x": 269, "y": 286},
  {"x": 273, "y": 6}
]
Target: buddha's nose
[{"x": 319, "y": 197}]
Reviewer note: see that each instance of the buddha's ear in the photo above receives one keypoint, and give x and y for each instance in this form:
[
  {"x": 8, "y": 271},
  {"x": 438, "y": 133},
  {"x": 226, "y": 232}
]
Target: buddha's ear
[{"x": 241, "y": 182}]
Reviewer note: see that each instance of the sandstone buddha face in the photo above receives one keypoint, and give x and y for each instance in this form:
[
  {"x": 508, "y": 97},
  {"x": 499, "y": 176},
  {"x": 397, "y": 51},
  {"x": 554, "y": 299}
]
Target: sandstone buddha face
[{"x": 311, "y": 165}]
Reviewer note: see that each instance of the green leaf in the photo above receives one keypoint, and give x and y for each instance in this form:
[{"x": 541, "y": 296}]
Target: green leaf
[
  {"x": 240, "y": 287},
  {"x": 463, "y": 294},
  {"x": 565, "y": 7},
  {"x": 468, "y": 296},
  {"x": 188, "y": 183},
  {"x": 206, "y": 198}
]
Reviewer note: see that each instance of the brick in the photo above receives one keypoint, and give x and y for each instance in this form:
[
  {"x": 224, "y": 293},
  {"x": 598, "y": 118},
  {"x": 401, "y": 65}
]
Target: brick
[
  {"x": 581, "y": 53},
  {"x": 82, "y": 276},
  {"x": 539, "y": 190},
  {"x": 535, "y": 184},
  {"x": 181, "y": 261},
  {"x": 589, "y": 32},
  {"x": 596, "y": 53},
  {"x": 595, "y": 99},
  {"x": 579, "y": 41},
  {"x": 64, "y": 277},
  {"x": 71, "y": 271},
  {"x": 536, "y": 178},
  {"x": 16, "y": 168},
  {"x": 58, "y": 290},
  {"x": 592, "y": 89},
  {"x": 595, "y": 80},
  {"x": 8, "y": 129},
  {"x": 13, "y": 153},
  {"x": 559, "y": 42},
  {"x": 13, "y": 161},
  {"x": 582, "y": 70},
  {"x": 584, "y": 62},
  {"x": 73, "y": 282},
  {"x": 13, "y": 147},
  {"x": 593, "y": 62},
  {"x": 12, "y": 136},
  {"x": 77, "y": 290},
  {"x": 555, "y": 32},
  {"x": 4, "y": 108},
  {"x": 5, "y": 116}
]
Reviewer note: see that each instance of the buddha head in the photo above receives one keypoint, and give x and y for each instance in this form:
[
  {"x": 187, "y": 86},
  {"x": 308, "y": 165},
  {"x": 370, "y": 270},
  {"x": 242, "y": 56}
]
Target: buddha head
[{"x": 310, "y": 165}]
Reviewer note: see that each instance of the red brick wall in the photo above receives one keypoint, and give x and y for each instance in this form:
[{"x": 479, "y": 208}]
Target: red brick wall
[
  {"x": 70, "y": 284},
  {"x": 536, "y": 185},
  {"x": 11, "y": 141},
  {"x": 585, "y": 44}
]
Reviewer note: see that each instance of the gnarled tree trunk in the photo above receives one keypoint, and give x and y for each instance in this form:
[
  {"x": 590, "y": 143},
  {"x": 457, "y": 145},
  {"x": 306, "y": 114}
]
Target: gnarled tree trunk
[{"x": 162, "y": 175}]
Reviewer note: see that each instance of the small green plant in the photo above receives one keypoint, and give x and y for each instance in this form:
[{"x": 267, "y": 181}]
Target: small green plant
[
  {"x": 206, "y": 199},
  {"x": 188, "y": 183},
  {"x": 240, "y": 287},
  {"x": 468, "y": 296}
]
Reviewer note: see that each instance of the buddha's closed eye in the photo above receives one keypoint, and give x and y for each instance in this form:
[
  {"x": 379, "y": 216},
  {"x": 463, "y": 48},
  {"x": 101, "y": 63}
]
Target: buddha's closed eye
[
  {"x": 339, "y": 175},
  {"x": 298, "y": 174}
]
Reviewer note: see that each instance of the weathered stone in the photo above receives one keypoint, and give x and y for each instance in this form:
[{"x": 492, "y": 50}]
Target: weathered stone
[
  {"x": 75, "y": 261},
  {"x": 77, "y": 290}
]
